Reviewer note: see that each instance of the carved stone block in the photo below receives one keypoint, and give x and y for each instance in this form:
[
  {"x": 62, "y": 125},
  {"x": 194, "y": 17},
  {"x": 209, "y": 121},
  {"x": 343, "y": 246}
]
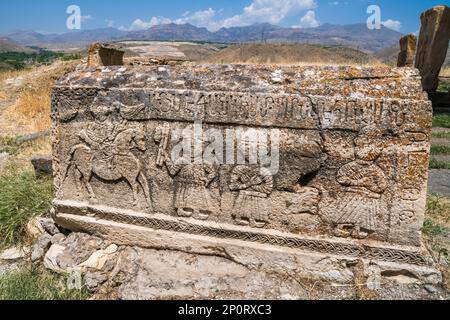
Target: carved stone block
[{"x": 344, "y": 174}]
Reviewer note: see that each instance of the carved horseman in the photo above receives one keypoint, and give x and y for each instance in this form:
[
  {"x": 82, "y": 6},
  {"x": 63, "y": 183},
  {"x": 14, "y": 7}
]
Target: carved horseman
[{"x": 101, "y": 134}]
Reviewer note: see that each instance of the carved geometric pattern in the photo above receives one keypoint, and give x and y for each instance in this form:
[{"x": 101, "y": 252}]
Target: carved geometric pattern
[{"x": 294, "y": 242}]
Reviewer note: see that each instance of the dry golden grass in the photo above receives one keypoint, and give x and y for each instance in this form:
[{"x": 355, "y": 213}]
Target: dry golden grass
[
  {"x": 4, "y": 75},
  {"x": 293, "y": 54},
  {"x": 31, "y": 110}
]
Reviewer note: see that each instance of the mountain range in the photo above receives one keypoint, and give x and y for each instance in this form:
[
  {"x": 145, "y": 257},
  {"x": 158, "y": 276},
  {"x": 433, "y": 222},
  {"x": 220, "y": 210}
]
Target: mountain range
[{"x": 355, "y": 35}]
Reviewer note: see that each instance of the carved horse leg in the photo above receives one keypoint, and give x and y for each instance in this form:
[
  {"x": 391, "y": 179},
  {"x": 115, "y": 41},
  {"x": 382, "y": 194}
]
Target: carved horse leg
[
  {"x": 82, "y": 159},
  {"x": 135, "y": 187},
  {"x": 87, "y": 183},
  {"x": 78, "y": 176},
  {"x": 142, "y": 179}
]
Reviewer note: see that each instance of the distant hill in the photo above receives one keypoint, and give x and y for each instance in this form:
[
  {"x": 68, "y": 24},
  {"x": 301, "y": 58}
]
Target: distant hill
[
  {"x": 355, "y": 35},
  {"x": 7, "y": 45},
  {"x": 290, "y": 54}
]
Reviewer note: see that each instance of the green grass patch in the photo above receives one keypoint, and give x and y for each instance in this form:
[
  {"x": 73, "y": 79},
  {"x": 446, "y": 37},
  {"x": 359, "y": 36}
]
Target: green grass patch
[
  {"x": 22, "y": 197},
  {"x": 436, "y": 164},
  {"x": 21, "y": 60},
  {"x": 437, "y": 206},
  {"x": 432, "y": 228},
  {"x": 443, "y": 87},
  {"x": 35, "y": 283},
  {"x": 441, "y": 135},
  {"x": 436, "y": 149},
  {"x": 441, "y": 121}
]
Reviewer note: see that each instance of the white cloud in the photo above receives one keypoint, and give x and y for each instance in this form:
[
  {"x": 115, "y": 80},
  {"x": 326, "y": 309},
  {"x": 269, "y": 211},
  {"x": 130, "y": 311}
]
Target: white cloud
[
  {"x": 139, "y": 24},
  {"x": 268, "y": 11},
  {"x": 203, "y": 18},
  {"x": 308, "y": 20},
  {"x": 392, "y": 24},
  {"x": 258, "y": 11}
]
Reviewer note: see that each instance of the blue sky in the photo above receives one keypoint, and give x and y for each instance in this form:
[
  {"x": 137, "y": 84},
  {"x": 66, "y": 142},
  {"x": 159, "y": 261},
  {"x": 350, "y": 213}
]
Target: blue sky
[{"x": 50, "y": 15}]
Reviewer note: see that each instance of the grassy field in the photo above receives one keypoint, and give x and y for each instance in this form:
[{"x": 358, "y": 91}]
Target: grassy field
[
  {"x": 21, "y": 60},
  {"x": 23, "y": 196},
  {"x": 36, "y": 283},
  {"x": 441, "y": 121}
]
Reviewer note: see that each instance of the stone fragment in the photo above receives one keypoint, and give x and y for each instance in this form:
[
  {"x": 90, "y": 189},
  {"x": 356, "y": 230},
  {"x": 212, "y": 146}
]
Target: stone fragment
[
  {"x": 102, "y": 55},
  {"x": 407, "y": 53},
  {"x": 49, "y": 226},
  {"x": 58, "y": 238},
  {"x": 52, "y": 257},
  {"x": 80, "y": 247},
  {"x": 40, "y": 246},
  {"x": 14, "y": 253},
  {"x": 42, "y": 164},
  {"x": 99, "y": 258},
  {"x": 433, "y": 45},
  {"x": 34, "y": 228},
  {"x": 92, "y": 280}
]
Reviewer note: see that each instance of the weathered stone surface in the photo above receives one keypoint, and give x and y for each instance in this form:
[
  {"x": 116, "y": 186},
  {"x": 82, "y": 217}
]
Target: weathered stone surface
[
  {"x": 49, "y": 226},
  {"x": 92, "y": 280},
  {"x": 99, "y": 258},
  {"x": 34, "y": 228},
  {"x": 52, "y": 257},
  {"x": 234, "y": 272},
  {"x": 14, "y": 253},
  {"x": 407, "y": 53},
  {"x": 101, "y": 55},
  {"x": 433, "y": 45},
  {"x": 42, "y": 164},
  {"x": 40, "y": 246},
  {"x": 349, "y": 183},
  {"x": 58, "y": 238}
]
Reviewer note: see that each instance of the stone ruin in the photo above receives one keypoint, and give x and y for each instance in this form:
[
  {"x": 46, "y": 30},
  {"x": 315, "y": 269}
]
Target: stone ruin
[
  {"x": 101, "y": 55},
  {"x": 433, "y": 45},
  {"x": 407, "y": 54},
  {"x": 350, "y": 147}
]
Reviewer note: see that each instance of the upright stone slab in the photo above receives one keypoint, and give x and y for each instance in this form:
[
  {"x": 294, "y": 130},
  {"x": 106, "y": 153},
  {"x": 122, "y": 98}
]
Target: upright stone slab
[
  {"x": 345, "y": 179},
  {"x": 101, "y": 55},
  {"x": 433, "y": 45},
  {"x": 407, "y": 51}
]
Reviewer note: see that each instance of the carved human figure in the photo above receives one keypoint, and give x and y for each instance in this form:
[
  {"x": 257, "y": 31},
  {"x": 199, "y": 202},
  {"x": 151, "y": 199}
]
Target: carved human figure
[
  {"x": 365, "y": 182},
  {"x": 192, "y": 197},
  {"x": 101, "y": 134},
  {"x": 255, "y": 184},
  {"x": 106, "y": 152}
]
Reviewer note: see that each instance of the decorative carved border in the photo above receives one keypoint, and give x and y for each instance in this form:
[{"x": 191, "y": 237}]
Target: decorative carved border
[{"x": 294, "y": 242}]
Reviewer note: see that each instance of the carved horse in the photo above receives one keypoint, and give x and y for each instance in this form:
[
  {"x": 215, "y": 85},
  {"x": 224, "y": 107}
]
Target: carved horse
[{"x": 122, "y": 164}]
